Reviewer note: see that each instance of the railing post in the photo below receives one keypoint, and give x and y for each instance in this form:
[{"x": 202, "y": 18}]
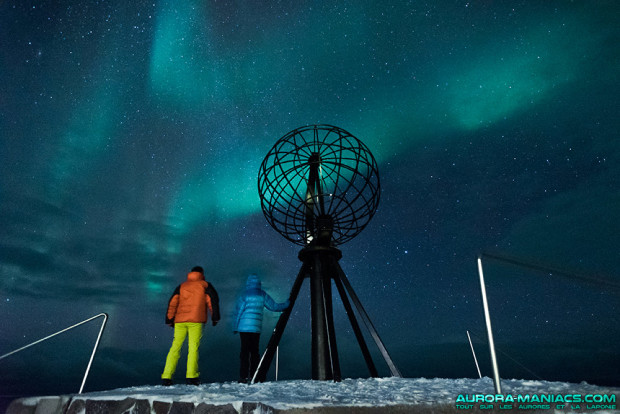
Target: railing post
[
  {"x": 474, "y": 354},
  {"x": 487, "y": 317},
  {"x": 92, "y": 356}
]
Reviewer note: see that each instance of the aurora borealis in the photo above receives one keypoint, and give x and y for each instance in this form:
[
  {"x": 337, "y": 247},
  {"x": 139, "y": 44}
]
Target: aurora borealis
[{"x": 133, "y": 132}]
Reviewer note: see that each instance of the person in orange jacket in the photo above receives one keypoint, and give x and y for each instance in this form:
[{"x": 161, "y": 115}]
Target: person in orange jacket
[{"x": 188, "y": 310}]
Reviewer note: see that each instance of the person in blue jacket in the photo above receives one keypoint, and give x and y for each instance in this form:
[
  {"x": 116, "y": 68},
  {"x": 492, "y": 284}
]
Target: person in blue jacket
[{"x": 248, "y": 323}]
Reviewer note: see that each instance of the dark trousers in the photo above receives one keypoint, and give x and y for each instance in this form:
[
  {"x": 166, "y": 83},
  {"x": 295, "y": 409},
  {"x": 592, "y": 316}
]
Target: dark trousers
[{"x": 249, "y": 354}]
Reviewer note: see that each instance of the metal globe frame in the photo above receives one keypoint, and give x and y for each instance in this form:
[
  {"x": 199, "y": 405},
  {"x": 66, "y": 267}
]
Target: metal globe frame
[
  {"x": 319, "y": 171},
  {"x": 319, "y": 188}
]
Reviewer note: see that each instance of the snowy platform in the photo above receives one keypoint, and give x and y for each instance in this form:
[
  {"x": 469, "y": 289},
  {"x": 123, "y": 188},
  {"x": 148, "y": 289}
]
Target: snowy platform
[{"x": 376, "y": 395}]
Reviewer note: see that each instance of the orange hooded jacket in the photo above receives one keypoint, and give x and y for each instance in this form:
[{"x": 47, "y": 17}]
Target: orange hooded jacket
[{"x": 191, "y": 300}]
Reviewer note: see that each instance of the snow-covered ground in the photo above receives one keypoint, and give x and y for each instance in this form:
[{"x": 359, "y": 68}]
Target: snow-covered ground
[{"x": 349, "y": 392}]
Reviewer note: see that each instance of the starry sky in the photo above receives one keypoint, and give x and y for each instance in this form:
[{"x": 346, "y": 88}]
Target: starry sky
[{"x": 132, "y": 134}]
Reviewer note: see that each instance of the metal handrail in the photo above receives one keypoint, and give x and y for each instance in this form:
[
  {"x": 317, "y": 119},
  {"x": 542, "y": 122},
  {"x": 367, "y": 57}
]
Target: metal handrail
[
  {"x": 92, "y": 356},
  {"x": 487, "y": 318},
  {"x": 474, "y": 354}
]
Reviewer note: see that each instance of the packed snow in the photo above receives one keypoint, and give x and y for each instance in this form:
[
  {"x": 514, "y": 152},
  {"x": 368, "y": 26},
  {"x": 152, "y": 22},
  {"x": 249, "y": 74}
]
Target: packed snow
[{"x": 349, "y": 392}]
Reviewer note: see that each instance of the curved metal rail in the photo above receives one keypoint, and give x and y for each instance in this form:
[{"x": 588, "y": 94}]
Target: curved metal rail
[{"x": 92, "y": 356}]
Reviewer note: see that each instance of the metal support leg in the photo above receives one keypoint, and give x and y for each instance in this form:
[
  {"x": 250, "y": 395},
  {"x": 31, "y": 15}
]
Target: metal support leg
[
  {"x": 373, "y": 332},
  {"x": 356, "y": 328},
  {"x": 265, "y": 362},
  {"x": 321, "y": 364},
  {"x": 331, "y": 330},
  {"x": 321, "y": 266}
]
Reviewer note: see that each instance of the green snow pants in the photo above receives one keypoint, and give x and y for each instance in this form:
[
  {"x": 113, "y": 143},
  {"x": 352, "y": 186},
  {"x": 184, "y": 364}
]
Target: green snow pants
[{"x": 193, "y": 332}]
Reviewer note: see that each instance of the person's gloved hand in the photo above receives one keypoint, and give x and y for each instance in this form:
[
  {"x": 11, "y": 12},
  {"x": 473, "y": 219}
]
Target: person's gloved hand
[{"x": 214, "y": 322}]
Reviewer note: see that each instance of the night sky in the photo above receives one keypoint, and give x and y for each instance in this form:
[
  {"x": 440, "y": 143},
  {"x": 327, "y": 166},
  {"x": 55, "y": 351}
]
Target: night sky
[{"x": 131, "y": 139}]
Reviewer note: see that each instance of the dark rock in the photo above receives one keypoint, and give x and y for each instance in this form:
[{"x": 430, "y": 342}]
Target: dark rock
[
  {"x": 126, "y": 406},
  {"x": 253, "y": 407},
  {"x": 160, "y": 407},
  {"x": 76, "y": 406},
  {"x": 203, "y": 408},
  {"x": 18, "y": 407},
  {"x": 181, "y": 408}
]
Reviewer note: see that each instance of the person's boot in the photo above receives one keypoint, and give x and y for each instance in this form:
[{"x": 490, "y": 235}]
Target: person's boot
[
  {"x": 192, "y": 381},
  {"x": 166, "y": 382}
]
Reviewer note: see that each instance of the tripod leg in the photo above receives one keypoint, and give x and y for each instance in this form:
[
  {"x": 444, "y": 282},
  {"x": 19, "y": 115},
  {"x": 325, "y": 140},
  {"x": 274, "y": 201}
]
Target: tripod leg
[
  {"x": 331, "y": 331},
  {"x": 321, "y": 361},
  {"x": 265, "y": 362},
  {"x": 356, "y": 328},
  {"x": 368, "y": 323}
]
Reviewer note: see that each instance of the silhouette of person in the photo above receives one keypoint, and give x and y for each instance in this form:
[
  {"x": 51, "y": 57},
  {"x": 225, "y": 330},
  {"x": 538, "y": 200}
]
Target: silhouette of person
[
  {"x": 248, "y": 323},
  {"x": 187, "y": 312}
]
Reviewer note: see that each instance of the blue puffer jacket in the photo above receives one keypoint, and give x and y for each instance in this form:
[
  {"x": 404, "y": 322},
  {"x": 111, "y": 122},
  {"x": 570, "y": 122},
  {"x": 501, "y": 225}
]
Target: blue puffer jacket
[{"x": 250, "y": 307}]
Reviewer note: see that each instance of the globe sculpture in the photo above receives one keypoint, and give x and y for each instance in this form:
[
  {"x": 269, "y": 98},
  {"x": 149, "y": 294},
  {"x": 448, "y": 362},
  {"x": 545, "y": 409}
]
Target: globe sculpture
[
  {"x": 315, "y": 174},
  {"x": 319, "y": 188}
]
